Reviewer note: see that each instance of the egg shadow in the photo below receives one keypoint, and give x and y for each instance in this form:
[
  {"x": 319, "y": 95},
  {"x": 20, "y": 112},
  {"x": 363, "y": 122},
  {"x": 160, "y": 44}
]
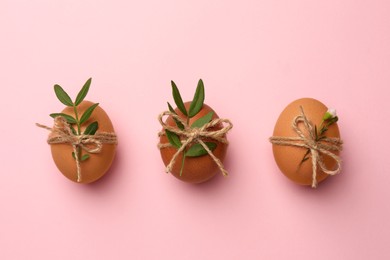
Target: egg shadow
[
  {"x": 111, "y": 176},
  {"x": 326, "y": 191}
]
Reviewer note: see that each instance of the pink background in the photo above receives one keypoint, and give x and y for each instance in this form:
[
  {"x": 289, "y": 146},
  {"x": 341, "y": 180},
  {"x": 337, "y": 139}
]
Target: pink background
[{"x": 255, "y": 57}]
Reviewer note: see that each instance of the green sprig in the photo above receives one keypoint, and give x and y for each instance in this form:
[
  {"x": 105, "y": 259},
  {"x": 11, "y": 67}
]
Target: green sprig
[
  {"x": 64, "y": 98},
  {"x": 327, "y": 120},
  {"x": 196, "y": 105}
]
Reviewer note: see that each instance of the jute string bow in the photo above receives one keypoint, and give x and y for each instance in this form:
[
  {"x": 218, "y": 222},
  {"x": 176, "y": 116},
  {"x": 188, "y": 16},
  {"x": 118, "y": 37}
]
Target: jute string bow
[
  {"x": 317, "y": 149},
  {"x": 195, "y": 135},
  {"x": 62, "y": 134}
]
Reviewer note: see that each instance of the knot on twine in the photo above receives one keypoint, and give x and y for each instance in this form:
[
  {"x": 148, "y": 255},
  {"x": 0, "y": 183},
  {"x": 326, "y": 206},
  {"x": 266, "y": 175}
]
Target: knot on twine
[
  {"x": 195, "y": 135},
  {"x": 324, "y": 146},
  {"x": 61, "y": 133}
]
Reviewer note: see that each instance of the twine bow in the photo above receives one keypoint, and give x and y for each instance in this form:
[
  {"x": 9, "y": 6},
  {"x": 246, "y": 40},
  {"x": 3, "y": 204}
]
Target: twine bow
[
  {"x": 195, "y": 135},
  {"x": 61, "y": 133},
  {"x": 326, "y": 146}
]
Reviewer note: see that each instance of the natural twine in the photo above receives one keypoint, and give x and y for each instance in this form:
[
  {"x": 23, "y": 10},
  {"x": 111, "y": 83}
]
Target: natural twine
[
  {"x": 195, "y": 135},
  {"x": 62, "y": 134},
  {"x": 317, "y": 148}
]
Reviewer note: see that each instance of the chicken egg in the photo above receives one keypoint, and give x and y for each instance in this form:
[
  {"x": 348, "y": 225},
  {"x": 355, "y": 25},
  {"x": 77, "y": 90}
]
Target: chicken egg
[
  {"x": 196, "y": 169},
  {"x": 98, "y": 164},
  {"x": 290, "y": 158}
]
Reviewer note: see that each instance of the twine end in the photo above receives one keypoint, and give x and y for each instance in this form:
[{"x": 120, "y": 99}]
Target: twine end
[{"x": 225, "y": 173}]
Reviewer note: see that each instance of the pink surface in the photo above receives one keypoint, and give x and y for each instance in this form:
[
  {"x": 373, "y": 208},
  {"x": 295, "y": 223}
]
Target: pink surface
[{"x": 255, "y": 57}]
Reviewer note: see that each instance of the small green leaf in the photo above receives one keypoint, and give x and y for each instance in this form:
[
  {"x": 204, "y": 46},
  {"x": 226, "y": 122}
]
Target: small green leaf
[
  {"x": 92, "y": 128},
  {"x": 83, "y": 92},
  {"x": 85, "y": 157},
  {"x": 62, "y": 96},
  {"x": 173, "y": 139},
  {"x": 73, "y": 155},
  {"x": 333, "y": 120},
  {"x": 171, "y": 108},
  {"x": 178, "y": 123},
  {"x": 305, "y": 157},
  {"x": 197, "y": 101},
  {"x": 198, "y": 150},
  {"x": 87, "y": 114},
  {"x": 73, "y": 130},
  {"x": 323, "y": 130},
  {"x": 177, "y": 97},
  {"x": 68, "y": 118},
  {"x": 203, "y": 120}
]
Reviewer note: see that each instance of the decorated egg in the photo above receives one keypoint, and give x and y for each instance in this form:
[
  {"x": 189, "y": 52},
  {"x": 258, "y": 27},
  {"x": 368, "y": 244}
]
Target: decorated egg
[
  {"x": 82, "y": 140},
  {"x": 306, "y": 142},
  {"x": 193, "y": 142}
]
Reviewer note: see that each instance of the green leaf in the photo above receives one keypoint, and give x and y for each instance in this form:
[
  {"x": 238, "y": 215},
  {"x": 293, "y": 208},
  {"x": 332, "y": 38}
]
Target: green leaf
[
  {"x": 173, "y": 138},
  {"x": 171, "y": 108},
  {"x": 177, "y": 97},
  {"x": 203, "y": 120},
  {"x": 83, "y": 92},
  {"x": 73, "y": 130},
  {"x": 68, "y": 118},
  {"x": 62, "y": 96},
  {"x": 305, "y": 157},
  {"x": 197, "y": 101},
  {"x": 178, "y": 123},
  {"x": 85, "y": 157},
  {"x": 91, "y": 128},
  {"x": 333, "y": 120},
  {"x": 198, "y": 150},
  {"x": 87, "y": 114}
]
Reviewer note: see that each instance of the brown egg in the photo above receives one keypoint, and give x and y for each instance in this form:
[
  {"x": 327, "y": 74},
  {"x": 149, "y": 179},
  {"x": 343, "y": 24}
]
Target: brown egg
[
  {"x": 196, "y": 169},
  {"x": 288, "y": 158},
  {"x": 97, "y": 165}
]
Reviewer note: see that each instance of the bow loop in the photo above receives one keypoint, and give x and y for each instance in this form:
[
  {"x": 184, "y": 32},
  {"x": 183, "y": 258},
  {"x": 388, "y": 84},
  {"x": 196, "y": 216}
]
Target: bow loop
[{"x": 89, "y": 143}]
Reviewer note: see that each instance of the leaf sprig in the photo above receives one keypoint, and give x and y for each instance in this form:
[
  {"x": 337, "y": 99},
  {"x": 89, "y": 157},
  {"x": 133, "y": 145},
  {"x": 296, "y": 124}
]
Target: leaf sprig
[
  {"x": 77, "y": 121},
  {"x": 328, "y": 119},
  {"x": 197, "y": 149}
]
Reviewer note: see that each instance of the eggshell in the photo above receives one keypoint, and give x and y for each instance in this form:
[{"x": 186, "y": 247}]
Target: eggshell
[
  {"x": 97, "y": 165},
  {"x": 196, "y": 169},
  {"x": 288, "y": 158}
]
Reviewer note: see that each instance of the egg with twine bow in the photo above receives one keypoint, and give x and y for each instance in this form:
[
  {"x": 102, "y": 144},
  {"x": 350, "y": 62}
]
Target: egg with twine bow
[
  {"x": 83, "y": 141},
  {"x": 306, "y": 142},
  {"x": 193, "y": 141}
]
